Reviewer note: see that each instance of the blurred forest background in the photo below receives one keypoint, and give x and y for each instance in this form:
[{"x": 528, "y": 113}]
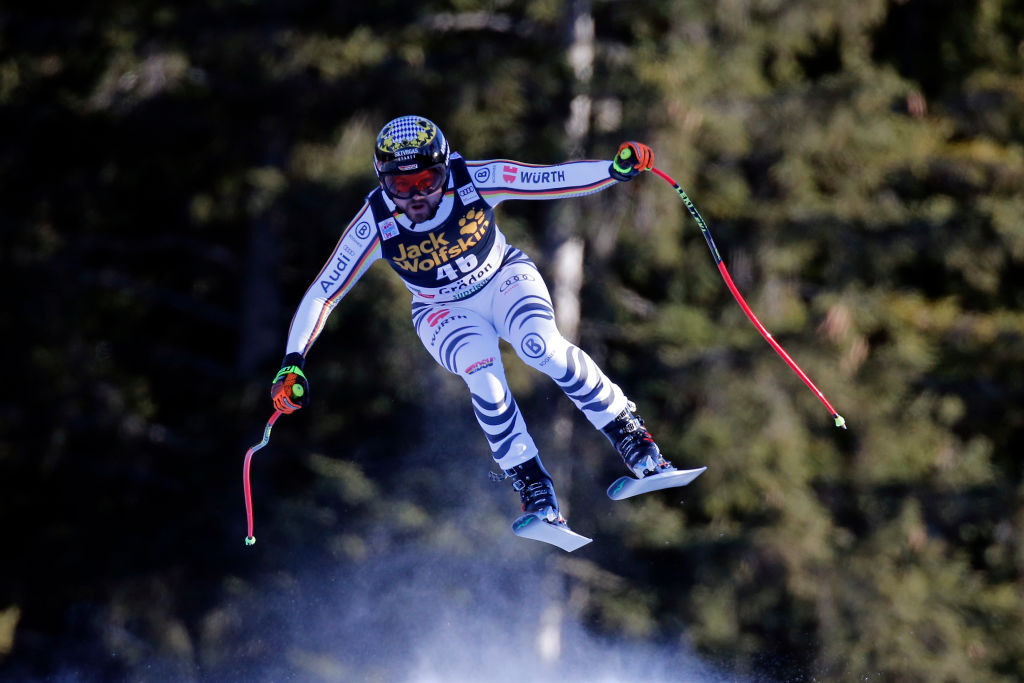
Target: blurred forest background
[{"x": 174, "y": 174}]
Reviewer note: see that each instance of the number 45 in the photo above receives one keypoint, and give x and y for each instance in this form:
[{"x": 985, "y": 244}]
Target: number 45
[{"x": 465, "y": 264}]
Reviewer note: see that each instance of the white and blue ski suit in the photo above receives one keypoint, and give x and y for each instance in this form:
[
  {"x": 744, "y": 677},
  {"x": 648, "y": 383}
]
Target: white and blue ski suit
[{"x": 470, "y": 288}]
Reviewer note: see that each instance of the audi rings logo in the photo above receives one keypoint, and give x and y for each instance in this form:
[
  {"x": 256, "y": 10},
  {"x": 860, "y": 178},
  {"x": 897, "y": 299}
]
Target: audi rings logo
[
  {"x": 363, "y": 230},
  {"x": 482, "y": 175},
  {"x": 515, "y": 280},
  {"x": 533, "y": 345}
]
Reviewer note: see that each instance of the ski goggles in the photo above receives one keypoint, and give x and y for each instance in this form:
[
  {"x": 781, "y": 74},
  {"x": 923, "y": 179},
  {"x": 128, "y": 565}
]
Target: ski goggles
[{"x": 408, "y": 185}]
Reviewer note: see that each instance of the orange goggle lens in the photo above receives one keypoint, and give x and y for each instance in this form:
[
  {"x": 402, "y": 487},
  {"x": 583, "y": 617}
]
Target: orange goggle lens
[{"x": 407, "y": 185}]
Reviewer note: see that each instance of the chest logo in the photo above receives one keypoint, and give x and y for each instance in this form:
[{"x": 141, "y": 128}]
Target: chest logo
[
  {"x": 473, "y": 221},
  {"x": 439, "y": 247}
]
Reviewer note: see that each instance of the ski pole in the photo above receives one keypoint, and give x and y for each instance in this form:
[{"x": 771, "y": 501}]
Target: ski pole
[
  {"x": 250, "y": 539},
  {"x": 840, "y": 422}
]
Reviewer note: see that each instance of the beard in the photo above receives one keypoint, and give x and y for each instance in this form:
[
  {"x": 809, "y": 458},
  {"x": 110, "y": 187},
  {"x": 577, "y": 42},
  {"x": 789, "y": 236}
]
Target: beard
[{"x": 421, "y": 210}]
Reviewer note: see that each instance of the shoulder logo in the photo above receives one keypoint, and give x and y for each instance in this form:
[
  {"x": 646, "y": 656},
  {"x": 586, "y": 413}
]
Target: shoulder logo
[
  {"x": 468, "y": 195},
  {"x": 482, "y": 175},
  {"x": 509, "y": 173}
]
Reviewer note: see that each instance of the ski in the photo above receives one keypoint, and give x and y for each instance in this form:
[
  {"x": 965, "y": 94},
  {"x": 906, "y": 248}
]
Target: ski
[
  {"x": 626, "y": 487},
  {"x": 536, "y": 528}
]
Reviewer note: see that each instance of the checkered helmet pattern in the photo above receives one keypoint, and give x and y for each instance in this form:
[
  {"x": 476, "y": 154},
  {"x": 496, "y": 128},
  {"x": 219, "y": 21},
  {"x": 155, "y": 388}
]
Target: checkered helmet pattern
[{"x": 409, "y": 143}]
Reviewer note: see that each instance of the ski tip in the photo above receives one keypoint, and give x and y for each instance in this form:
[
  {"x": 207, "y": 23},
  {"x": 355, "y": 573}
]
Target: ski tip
[
  {"x": 840, "y": 420},
  {"x": 627, "y": 487},
  {"x": 250, "y": 540},
  {"x": 560, "y": 535}
]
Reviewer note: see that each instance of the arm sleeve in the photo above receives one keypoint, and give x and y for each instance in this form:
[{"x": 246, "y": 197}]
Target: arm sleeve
[
  {"x": 358, "y": 247},
  {"x": 500, "y": 179}
]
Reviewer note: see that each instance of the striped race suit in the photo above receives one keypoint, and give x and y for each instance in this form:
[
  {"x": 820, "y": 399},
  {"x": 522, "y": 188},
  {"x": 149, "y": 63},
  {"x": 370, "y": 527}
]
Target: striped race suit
[{"x": 470, "y": 288}]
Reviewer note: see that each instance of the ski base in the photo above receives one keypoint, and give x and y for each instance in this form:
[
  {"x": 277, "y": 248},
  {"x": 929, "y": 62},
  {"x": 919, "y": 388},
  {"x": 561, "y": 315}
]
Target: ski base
[
  {"x": 533, "y": 527},
  {"x": 627, "y": 487}
]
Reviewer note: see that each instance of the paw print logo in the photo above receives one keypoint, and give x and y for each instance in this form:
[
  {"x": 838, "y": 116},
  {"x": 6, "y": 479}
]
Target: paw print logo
[{"x": 472, "y": 221}]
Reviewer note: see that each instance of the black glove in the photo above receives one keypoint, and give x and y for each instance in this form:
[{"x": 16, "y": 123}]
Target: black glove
[
  {"x": 631, "y": 159},
  {"x": 290, "y": 390}
]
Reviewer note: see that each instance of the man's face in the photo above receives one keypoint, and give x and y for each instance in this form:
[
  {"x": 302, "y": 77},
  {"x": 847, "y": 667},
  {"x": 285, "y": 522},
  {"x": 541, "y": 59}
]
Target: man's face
[
  {"x": 420, "y": 208},
  {"x": 417, "y": 194}
]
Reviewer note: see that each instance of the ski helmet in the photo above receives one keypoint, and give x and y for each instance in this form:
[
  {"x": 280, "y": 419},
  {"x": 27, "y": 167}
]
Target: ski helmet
[{"x": 409, "y": 144}]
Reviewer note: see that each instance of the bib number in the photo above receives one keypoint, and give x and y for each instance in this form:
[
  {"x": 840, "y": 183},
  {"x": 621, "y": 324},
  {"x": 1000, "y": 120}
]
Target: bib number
[{"x": 466, "y": 264}]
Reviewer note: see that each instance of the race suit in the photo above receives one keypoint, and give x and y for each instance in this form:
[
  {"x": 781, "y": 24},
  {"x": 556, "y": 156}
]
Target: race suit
[{"x": 470, "y": 288}]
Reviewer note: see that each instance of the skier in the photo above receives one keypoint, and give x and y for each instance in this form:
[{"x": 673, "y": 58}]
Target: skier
[{"x": 432, "y": 220}]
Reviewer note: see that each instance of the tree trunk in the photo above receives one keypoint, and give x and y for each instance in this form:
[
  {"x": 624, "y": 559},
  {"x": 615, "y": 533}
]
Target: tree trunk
[
  {"x": 261, "y": 337},
  {"x": 564, "y": 252}
]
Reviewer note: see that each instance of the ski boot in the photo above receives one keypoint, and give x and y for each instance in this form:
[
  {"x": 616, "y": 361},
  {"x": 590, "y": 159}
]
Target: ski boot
[
  {"x": 536, "y": 490},
  {"x": 541, "y": 519},
  {"x": 635, "y": 444}
]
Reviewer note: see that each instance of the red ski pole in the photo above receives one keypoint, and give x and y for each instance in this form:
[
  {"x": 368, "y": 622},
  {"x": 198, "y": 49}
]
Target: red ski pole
[
  {"x": 250, "y": 539},
  {"x": 840, "y": 422}
]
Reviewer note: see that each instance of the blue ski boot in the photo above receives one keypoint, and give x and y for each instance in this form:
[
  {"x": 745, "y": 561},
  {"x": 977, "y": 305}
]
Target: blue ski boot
[
  {"x": 536, "y": 490},
  {"x": 635, "y": 444}
]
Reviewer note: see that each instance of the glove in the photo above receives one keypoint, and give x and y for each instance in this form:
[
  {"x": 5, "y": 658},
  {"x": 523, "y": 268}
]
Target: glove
[
  {"x": 290, "y": 390},
  {"x": 631, "y": 159}
]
